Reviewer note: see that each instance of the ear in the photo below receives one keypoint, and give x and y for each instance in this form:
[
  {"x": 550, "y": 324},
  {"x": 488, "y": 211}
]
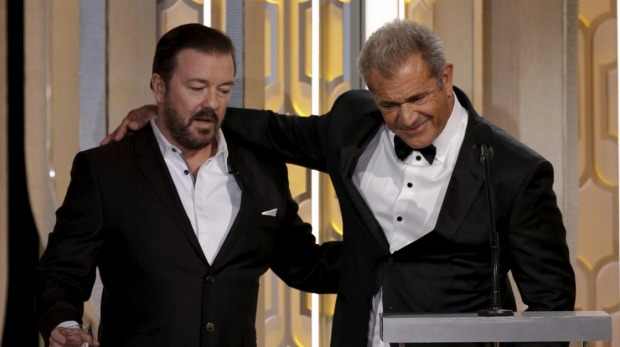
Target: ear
[
  {"x": 447, "y": 78},
  {"x": 159, "y": 88}
]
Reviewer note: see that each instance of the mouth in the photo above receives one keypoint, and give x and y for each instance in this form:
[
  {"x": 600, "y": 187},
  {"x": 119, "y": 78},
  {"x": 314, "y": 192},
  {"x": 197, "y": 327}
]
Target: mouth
[
  {"x": 417, "y": 127},
  {"x": 204, "y": 118}
]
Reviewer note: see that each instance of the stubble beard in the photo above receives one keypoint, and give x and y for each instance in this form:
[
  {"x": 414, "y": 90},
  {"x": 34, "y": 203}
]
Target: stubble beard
[{"x": 181, "y": 131}]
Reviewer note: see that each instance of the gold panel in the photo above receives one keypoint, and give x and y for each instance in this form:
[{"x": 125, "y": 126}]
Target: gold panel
[
  {"x": 275, "y": 315},
  {"x": 274, "y": 52},
  {"x": 64, "y": 82},
  {"x": 604, "y": 143},
  {"x": 218, "y": 14},
  {"x": 420, "y": 11},
  {"x": 595, "y": 238},
  {"x": 335, "y": 52},
  {"x": 173, "y": 13},
  {"x": 333, "y": 38},
  {"x": 597, "y": 253},
  {"x": 288, "y": 78}
]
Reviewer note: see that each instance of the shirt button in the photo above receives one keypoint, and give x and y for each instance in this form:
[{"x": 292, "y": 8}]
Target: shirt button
[
  {"x": 409, "y": 185},
  {"x": 210, "y": 327},
  {"x": 210, "y": 279},
  {"x": 418, "y": 158},
  {"x": 399, "y": 218},
  {"x": 186, "y": 172}
]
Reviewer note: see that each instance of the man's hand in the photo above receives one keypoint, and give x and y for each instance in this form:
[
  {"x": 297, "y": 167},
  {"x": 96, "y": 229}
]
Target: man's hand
[
  {"x": 59, "y": 338},
  {"x": 135, "y": 119}
]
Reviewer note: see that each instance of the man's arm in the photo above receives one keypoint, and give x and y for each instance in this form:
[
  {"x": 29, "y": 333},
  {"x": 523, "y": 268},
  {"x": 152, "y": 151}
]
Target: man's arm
[
  {"x": 540, "y": 256},
  {"x": 66, "y": 272},
  {"x": 302, "y": 263},
  {"x": 295, "y": 139},
  {"x": 292, "y": 139}
]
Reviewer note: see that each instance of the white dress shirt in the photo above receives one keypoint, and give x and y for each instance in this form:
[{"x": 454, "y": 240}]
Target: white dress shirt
[
  {"x": 212, "y": 201},
  {"x": 405, "y": 196}
]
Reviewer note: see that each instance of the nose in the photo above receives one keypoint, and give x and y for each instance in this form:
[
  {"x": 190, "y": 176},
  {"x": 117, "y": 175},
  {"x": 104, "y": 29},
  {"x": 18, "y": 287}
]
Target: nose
[
  {"x": 407, "y": 112},
  {"x": 211, "y": 99}
]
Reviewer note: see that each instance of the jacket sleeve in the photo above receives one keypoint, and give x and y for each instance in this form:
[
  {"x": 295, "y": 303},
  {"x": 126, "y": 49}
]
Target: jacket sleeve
[
  {"x": 66, "y": 271},
  {"x": 304, "y": 141},
  {"x": 538, "y": 249},
  {"x": 302, "y": 263},
  {"x": 294, "y": 139}
]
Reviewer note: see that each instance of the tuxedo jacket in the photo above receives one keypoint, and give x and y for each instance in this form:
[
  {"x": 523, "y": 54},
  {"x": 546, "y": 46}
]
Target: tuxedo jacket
[
  {"x": 123, "y": 215},
  {"x": 448, "y": 270}
]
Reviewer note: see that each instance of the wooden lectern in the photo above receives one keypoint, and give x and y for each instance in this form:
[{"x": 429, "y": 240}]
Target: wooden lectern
[{"x": 522, "y": 327}]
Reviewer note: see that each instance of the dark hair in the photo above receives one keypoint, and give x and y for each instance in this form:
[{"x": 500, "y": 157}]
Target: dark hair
[
  {"x": 189, "y": 36},
  {"x": 392, "y": 44}
]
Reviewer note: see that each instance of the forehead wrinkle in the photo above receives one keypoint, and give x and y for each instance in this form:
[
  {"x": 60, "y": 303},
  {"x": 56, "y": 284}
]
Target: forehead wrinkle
[
  {"x": 410, "y": 80},
  {"x": 401, "y": 90}
]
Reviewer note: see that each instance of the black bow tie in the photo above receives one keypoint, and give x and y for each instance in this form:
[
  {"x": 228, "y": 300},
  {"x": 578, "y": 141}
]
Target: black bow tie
[{"x": 403, "y": 150}]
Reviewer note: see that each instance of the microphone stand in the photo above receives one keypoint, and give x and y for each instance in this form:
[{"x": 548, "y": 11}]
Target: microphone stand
[{"x": 495, "y": 309}]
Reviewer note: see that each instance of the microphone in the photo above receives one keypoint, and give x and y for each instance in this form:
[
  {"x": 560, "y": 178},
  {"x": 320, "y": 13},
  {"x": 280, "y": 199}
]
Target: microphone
[
  {"x": 482, "y": 136},
  {"x": 233, "y": 171}
]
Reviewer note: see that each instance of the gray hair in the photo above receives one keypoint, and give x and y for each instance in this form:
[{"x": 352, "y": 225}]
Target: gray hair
[{"x": 393, "y": 43}]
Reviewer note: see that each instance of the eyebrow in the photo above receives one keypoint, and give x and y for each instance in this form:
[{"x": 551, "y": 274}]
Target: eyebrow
[
  {"x": 418, "y": 96},
  {"x": 204, "y": 81},
  {"x": 411, "y": 98}
]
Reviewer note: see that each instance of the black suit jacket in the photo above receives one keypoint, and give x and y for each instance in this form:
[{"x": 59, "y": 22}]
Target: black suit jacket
[
  {"x": 123, "y": 215},
  {"x": 448, "y": 270}
]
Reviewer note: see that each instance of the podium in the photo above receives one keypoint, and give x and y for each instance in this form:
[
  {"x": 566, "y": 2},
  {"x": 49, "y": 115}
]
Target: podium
[{"x": 539, "y": 326}]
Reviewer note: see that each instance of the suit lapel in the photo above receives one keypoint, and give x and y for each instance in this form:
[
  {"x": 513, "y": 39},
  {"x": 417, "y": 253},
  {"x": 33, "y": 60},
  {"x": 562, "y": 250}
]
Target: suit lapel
[
  {"x": 150, "y": 162},
  {"x": 466, "y": 181},
  {"x": 241, "y": 173}
]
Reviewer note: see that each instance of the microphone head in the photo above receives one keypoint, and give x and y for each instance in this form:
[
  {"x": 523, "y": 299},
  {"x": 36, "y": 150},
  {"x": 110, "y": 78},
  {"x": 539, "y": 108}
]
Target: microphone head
[{"x": 482, "y": 134}]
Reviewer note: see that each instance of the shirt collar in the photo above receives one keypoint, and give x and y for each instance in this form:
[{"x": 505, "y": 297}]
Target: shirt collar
[{"x": 454, "y": 127}]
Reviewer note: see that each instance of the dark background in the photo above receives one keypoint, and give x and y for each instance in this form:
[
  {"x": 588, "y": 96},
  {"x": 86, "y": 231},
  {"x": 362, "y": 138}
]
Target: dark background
[{"x": 23, "y": 241}]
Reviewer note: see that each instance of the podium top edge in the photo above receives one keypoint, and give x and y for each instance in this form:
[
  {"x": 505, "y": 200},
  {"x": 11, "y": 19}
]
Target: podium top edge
[
  {"x": 529, "y": 326},
  {"x": 528, "y": 314}
]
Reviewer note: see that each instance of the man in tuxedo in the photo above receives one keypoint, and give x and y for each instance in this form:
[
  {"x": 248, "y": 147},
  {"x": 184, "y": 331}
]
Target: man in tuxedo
[
  {"x": 179, "y": 219},
  {"x": 403, "y": 158}
]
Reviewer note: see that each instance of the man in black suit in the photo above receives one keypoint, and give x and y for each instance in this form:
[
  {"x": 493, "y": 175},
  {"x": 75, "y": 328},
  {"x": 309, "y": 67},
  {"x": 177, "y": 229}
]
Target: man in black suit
[
  {"x": 416, "y": 230},
  {"x": 179, "y": 219}
]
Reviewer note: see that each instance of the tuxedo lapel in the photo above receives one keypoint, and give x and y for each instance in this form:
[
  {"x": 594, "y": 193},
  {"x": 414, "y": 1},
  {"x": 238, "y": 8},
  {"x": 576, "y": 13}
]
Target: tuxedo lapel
[
  {"x": 150, "y": 162},
  {"x": 353, "y": 146},
  {"x": 466, "y": 181},
  {"x": 357, "y": 139}
]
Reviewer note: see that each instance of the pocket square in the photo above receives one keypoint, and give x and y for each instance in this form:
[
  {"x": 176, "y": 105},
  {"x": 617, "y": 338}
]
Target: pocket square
[{"x": 271, "y": 213}]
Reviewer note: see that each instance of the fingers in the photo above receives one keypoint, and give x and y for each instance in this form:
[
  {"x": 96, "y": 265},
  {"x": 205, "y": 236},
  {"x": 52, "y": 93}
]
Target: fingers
[
  {"x": 140, "y": 116},
  {"x": 136, "y": 119},
  {"x": 57, "y": 339},
  {"x": 61, "y": 337},
  {"x": 120, "y": 131},
  {"x": 113, "y": 136},
  {"x": 92, "y": 341},
  {"x": 107, "y": 139}
]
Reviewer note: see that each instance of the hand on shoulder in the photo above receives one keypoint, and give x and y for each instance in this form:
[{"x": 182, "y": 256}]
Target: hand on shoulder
[{"x": 135, "y": 120}]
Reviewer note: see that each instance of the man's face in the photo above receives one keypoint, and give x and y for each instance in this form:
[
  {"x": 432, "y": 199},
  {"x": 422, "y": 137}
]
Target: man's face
[
  {"x": 193, "y": 104},
  {"x": 415, "y": 105}
]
